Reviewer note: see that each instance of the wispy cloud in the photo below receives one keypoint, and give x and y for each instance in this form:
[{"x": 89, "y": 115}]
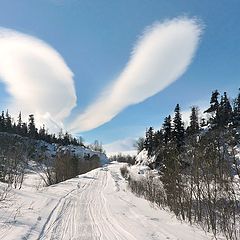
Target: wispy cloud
[
  {"x": 160, "y": 56},
  {"x": 36, "y": 78}
]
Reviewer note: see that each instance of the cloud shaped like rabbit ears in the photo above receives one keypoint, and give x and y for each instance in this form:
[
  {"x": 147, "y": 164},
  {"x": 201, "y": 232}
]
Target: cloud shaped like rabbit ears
[{"x": 160, "y": 56}]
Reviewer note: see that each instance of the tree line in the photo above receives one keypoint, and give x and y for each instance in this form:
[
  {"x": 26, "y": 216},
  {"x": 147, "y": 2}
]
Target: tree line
[
  {"x": 29, "y": 129},
  {"x": 198, "y": 166},
  {"x": 19, "y": 143},
  {"x": 222, "y": 115}
]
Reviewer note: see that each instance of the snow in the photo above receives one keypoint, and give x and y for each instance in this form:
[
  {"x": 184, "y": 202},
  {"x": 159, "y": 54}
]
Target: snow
[
  {"x": 50, "y": 150},
  {"x": 95, "y": 205},
  {"x": 82, "y": 152},
  {"x": 143, "y": 159}
]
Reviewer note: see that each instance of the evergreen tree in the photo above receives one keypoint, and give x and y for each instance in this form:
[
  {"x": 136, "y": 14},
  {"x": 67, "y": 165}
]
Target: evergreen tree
[
  {"x": 167, "y": 129},
  {"x": 213, "y": 102},
  {"x": 194, "y": 123},
  {"x": 14, "y": 128},
  {"x": 53, "y": 138},
  {"x": 213, "y": 109},
  {"x": 224, "y": 111},
  {"x": 236, "y": 111},
  {"x": 2, "y": 122},
  {"x": 24, "y": 130},
  {"x": 42, "y": 133},
  {"x": 158, "y": 139},
  {"x": 32, "y": 131},
  {"x": 149, "y": 141},
  {"x": 19, "y": 124},
  {"x": 8, "y": 122},
  {"x": 66, "y": 139},
  {"x": 178, "y": 128}
]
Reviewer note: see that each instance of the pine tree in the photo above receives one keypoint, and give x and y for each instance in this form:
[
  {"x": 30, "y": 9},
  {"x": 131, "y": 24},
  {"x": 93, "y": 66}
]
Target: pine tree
[
  {"x": 66, "y": 139},
  {"x": 31, "y": 127},
  {"x": 2, "y": 122},
  {"x": 149, "y": 141},
  {"x": 214, "y": 109},
  {"x": 236, "y": 111},
  {"x": 213, "y": 102},
  {"x": 42, "y": 133},
  {"x": 167, "y": 129},
  {"x": 19, "y": 124},
  {"x": 158, "y": 139},
  {"x": 178, "y": 129},
  {"x": 14, "y": 128},
  {"x": 194, "y": 123},
  {"x": 224, "y": 112},
  {"x": 24, "y": 131},
  {"x": 8, "y": 122}
]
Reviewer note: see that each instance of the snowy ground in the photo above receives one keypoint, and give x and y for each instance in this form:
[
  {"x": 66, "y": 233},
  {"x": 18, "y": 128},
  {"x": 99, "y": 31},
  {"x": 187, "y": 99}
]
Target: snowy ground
[{"x": 95, "y": 205}]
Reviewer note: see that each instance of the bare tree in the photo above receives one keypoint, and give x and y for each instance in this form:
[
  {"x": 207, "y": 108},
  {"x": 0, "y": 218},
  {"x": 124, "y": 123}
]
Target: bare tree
[{"x": 14, "y": 160}]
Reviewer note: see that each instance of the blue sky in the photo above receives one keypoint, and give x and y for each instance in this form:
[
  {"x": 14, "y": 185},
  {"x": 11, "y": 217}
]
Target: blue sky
[{"x": 95, "y": 39}]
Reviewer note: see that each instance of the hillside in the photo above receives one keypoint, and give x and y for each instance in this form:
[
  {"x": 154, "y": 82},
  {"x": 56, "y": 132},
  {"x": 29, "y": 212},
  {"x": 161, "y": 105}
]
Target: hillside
[{"x": 40, "y": 147}]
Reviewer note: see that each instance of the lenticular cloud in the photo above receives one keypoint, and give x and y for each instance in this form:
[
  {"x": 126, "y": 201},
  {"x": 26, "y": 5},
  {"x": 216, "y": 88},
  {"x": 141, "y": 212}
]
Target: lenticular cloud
[
  {"x": 36, "y": 78},
  {"x": 160, "y": 56},
  {"x": 40, "y": 82}
]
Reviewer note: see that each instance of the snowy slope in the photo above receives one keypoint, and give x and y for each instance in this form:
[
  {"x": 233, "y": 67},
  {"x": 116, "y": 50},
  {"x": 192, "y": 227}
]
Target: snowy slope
[
  {"x": 95, "y": 205},
  {"x": 50, "y": 150},
  {"x": 82, "y": 152}
]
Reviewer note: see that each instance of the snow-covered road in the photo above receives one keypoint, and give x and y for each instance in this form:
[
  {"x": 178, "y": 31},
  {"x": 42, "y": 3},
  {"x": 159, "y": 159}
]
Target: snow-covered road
[
  {"x": 83, "y": 213},
  {"x": 95, "y": 205}
]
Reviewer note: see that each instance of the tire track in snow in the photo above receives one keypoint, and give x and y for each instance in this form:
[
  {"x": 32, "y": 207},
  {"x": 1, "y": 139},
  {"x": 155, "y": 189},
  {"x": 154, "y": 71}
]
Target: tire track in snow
[
  {"x": 84, "y": 214},
  {"x": 111, "y": 219},
  {"x": 58, "y": 212}
]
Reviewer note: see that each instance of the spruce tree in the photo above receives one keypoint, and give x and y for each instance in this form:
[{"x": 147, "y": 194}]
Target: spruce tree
[
  {"x": 31, "y": 126},
  {"x": 24, "y": 130},
  {"x": 214, "y": 109},
  {"x": 149, "y": 141},
  {"x": 42, "y": 133},
  {"x": 236, "y": 111},
  {"x": 19, "y": 124},
  {"x": 194, "y": 123},
  {"x": 224, "y": 112},
  {"x": 167, "y": 129},
  {"x": 178, "y": 128},
  {"x": 158, "y": 139},
  {"x": 2, "y": 122},
  {"x": 66, "y": 139},
  {"x": 8, "y": 123},
  {"x": 213, "y": 102}
]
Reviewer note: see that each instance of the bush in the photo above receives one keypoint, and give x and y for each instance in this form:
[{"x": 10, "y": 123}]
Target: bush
[
  {"x": 124, "y": 172},
  {"x": 123, "y": 158}
]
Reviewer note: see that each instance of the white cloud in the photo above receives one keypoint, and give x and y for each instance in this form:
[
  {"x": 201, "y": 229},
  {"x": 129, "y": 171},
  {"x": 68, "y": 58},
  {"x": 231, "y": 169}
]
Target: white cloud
[
  {"x": 123, "y": 146},
  {"x": 160, "y": 56},
  {"x": 36, "y": 78},
  {"x": 40, "y": 82}
]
